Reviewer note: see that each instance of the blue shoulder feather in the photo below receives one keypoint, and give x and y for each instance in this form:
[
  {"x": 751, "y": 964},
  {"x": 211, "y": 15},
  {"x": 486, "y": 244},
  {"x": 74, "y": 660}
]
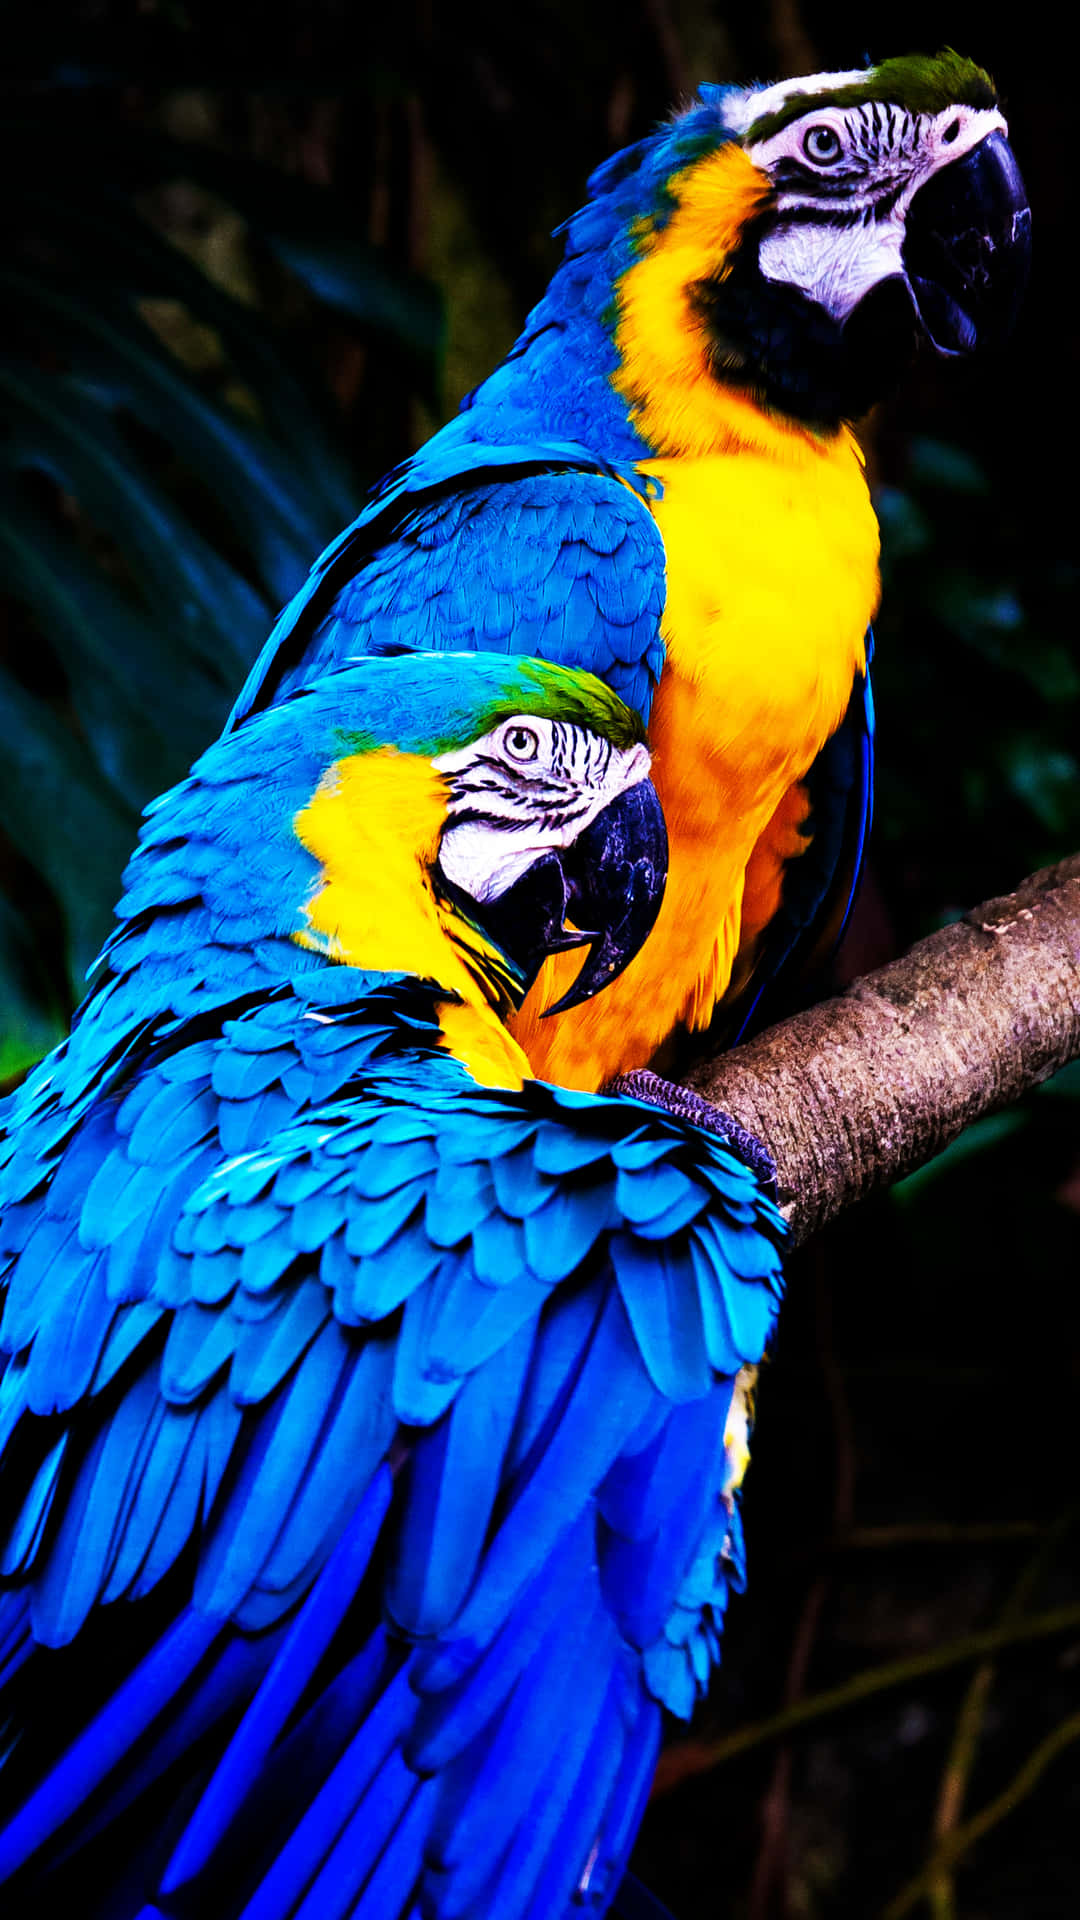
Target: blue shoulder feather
[{"x": 542, "y": 549}]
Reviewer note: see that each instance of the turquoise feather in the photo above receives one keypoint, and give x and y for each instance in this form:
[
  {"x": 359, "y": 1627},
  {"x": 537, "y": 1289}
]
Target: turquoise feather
[{"x": 293, "y": 1301}]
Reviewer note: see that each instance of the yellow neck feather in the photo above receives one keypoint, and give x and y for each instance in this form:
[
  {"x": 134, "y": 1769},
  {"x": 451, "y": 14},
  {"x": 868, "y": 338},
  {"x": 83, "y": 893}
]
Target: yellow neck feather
[
  {"x": 676, "y": 402},
  {"x": 373, "y": 824}
]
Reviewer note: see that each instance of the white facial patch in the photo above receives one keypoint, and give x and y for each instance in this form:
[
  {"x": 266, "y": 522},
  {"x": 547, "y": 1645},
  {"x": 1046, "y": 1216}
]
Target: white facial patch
[
  {"x": 528, "y": 786},
  {"x": 845, "y": 179}
]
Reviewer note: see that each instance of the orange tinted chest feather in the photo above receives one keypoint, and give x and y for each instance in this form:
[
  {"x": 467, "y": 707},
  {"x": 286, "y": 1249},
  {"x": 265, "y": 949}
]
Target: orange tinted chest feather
[{"x": 772, "y": 579}]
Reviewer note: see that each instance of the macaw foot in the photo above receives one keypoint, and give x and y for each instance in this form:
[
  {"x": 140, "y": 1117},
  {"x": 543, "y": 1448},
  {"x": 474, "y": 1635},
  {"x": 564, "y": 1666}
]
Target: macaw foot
[{"x": 683, "y": 1104}]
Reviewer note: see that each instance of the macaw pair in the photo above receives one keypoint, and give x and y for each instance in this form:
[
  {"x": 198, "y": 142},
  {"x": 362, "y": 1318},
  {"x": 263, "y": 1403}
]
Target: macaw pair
[{"x": 377, "y": 1389}]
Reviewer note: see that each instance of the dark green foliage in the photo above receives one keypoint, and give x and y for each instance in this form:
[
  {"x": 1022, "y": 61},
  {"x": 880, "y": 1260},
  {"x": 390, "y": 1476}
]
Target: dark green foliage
[
  {"x": 976, "y": 665},
  {"x": 153, "y": 515}
]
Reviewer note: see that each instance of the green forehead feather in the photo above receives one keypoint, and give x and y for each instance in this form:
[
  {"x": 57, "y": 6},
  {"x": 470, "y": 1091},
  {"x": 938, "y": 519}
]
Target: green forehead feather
[
  {"x": 562, "y": 693},
  {"x": 434, "y": 703},
  {"x": 921, "y": 82}
]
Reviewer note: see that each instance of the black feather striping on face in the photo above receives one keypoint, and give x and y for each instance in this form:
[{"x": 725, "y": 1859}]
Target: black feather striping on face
[{"x": 532, "y": 794}]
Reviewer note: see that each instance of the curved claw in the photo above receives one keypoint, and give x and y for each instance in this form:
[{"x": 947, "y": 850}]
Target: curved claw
[
  {"x": 685, "y": 1103},
  {"x": 616, "y": 872}
]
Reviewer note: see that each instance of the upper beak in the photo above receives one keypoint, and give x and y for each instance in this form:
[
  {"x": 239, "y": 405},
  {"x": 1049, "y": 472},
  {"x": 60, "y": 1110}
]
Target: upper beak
[
  {"x": 616, "y": 873},
  {"x": 609, "y": 882},
  {"x": 968, "y": 248}
]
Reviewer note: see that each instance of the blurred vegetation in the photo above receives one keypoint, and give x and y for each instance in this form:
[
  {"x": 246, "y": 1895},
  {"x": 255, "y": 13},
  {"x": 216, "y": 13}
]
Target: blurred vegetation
[{"x": 249, "y": 261}]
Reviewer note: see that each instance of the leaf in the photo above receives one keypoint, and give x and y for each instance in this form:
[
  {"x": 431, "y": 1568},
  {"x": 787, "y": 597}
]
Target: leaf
[
  {"x": 980, "y": 1137},
  {"x": 169, "y": 520},
  {"x": 104, "y": 242},
  {"x": 311, "y": 230},
  {"x": 1064, "y": 1085},
  {"x": 357, "y": 280},
  {"x": 941, "y": 464},
  {"x": 905, "y": 528},
  {"x": 113, "y": 356},
  {"x": 147, "y": 707},
  {"x": 59, "y": 812},
  {"x": 68, "y": 434},
  {"x": 1048, "y": 780},
  {"x": 31, "y": 1020}
]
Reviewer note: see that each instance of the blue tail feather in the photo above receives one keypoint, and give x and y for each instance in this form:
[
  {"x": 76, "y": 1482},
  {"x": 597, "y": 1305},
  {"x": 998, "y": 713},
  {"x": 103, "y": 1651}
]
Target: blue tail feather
[
  {"x": 633, "y": 1901},
  {"x": 454, "y": 1475},
  {"x": 282, "y": 1688},
  {"x": 386, "y": 1824},
  {"x": 329, "y": 1810},
  {"x": 97, "y": 1751}
]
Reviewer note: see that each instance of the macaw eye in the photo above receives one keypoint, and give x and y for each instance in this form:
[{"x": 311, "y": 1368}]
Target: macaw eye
[
  {"x": 521, "y": 743},
  {"x": 822, "y": 145}
]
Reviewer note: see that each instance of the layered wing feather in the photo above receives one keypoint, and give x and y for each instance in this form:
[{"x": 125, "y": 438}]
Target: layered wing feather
[
  {"x": 544, "y": 550},
  {"x": 408, "y": 1443}
]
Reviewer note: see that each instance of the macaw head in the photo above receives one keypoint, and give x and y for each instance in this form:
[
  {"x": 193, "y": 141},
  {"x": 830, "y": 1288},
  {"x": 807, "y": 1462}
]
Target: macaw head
[
  {"x": 470, "y": 806},
  {"x": 436, "y": 816},
  {"x": 794, "y": 242}
]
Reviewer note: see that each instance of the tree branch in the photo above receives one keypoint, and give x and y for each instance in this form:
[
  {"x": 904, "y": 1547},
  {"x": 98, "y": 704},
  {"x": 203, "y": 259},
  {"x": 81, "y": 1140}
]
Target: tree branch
[{"x": 857, "y": 1092}]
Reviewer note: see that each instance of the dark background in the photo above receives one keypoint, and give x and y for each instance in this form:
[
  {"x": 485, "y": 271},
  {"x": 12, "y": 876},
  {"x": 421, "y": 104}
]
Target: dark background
[{"x": 252, "y": 257}]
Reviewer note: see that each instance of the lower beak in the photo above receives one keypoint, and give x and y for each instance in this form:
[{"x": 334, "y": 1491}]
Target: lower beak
[
  {"x": 609, "y": 883},
  {"x": 616, "y": 872},
  {"x": 968, "y": 249}
]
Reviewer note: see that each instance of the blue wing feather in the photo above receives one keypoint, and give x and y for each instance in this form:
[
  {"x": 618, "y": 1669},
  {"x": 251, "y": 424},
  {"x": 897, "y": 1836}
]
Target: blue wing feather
[
  {"x": 284, "y": 1684},
  {"x": 25, "y": 1537},
  {"x": 454, "y": 1478},
  {"x": 391, "y": 1322},
  {"x": 132, "y": 1709},
  {"x": 441, "y": 554}
]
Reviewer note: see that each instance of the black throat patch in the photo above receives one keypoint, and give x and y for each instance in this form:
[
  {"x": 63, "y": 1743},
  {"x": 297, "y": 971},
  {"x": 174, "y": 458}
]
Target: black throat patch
[{"x": 770, "y": 340}]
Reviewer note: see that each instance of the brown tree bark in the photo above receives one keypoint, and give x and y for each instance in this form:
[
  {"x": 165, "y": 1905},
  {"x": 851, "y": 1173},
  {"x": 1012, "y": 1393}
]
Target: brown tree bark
[{"x": 857, "y": 1092}]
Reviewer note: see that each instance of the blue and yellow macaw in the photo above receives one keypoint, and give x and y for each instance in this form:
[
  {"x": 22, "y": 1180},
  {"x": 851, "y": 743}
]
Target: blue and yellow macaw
[
  {"x": 373, "y": 1414},
  {"x": 659, "y": 484}
]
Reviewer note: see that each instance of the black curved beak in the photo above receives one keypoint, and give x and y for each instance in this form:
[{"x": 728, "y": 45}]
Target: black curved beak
[
  {"x": 617, "y": 872},
  {"x": 967, "y": 253},
  {"x": 609, "y": 883}
]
